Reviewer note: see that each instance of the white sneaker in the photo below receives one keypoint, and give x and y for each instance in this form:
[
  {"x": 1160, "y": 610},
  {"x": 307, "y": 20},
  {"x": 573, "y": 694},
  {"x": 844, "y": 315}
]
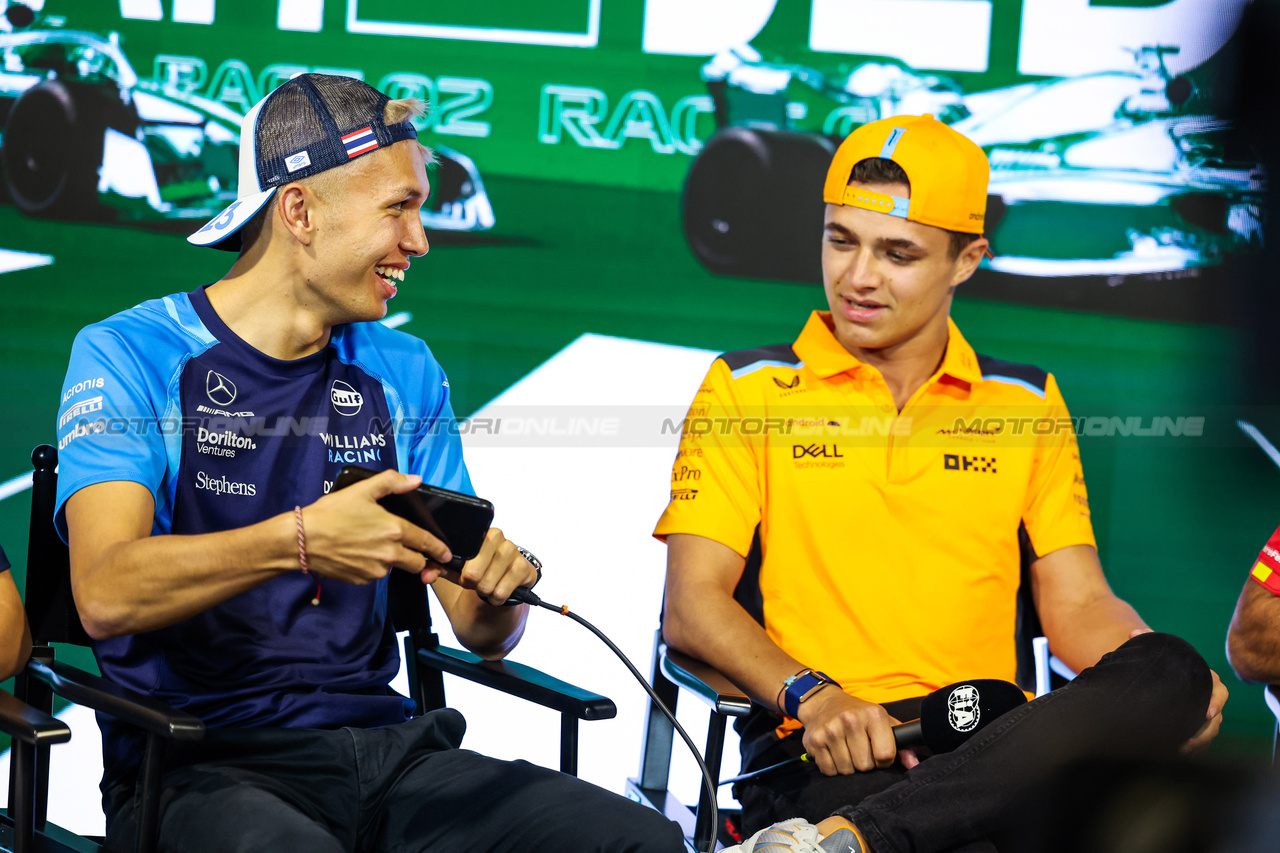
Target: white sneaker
[{"x": 798, "y": 836}]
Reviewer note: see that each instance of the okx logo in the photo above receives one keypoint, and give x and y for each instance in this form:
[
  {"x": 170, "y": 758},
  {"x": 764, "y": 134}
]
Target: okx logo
[
  {"x": 956, "y": 462},
  {"x": 818, "y": 451}
]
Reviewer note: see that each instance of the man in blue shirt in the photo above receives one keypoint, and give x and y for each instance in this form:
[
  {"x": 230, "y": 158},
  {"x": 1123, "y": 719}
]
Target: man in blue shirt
[{"x": 199, "y": 438}]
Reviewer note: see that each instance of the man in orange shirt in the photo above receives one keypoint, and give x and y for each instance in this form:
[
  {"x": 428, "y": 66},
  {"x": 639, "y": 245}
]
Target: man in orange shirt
[{"x": 889, "y": 472}]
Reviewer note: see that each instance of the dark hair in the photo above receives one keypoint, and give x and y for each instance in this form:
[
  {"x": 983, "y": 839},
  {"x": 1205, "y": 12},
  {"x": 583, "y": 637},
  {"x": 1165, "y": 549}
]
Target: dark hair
[{"x": 878, "y": 170}]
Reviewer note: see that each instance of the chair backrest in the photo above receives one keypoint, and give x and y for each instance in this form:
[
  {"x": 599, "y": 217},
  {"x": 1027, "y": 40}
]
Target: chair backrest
[{"x": 51, "y": 610}]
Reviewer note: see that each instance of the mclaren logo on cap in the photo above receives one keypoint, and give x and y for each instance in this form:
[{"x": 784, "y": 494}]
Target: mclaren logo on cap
[{"x": 359, "y": 141}]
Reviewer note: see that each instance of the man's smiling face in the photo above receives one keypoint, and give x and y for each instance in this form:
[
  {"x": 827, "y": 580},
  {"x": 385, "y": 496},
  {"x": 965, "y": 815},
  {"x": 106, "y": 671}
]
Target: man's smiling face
[
  {"x": 888, "y": 281},
  {"x": 369, "y": 229}
]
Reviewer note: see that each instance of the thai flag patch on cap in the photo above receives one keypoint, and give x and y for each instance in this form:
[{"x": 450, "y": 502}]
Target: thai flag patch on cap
[{"x": 359, "y": 141}]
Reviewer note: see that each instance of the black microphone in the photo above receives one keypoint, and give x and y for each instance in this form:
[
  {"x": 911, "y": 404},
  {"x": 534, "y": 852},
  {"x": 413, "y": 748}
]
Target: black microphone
[{"x": 949, "y": 716}]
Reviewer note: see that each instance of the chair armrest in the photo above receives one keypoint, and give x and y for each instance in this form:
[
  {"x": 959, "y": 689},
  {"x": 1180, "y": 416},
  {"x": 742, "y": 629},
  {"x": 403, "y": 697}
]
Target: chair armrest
[
  {"x": 703, "y": 681},
  {"x": 92, "y": 691},
  {"x": 521, "y": 681},
  {"x": 23, "y": 723}
]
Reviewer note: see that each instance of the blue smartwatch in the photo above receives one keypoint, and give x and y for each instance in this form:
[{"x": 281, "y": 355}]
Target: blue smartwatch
[{"x": 801, "y": 686}]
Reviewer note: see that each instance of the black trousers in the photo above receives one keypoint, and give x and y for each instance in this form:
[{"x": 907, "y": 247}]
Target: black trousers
[
  {"x": 406, "y": 787},
  {"x": 1144, "y": 699}
]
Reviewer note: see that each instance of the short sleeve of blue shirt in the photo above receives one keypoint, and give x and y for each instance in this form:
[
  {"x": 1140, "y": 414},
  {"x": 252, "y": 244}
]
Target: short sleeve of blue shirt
[{"x": 109, "y": 427}]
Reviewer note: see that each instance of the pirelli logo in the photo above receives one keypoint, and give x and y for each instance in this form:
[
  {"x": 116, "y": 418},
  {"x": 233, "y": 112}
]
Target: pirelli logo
[{"x": 980, "y": 464}]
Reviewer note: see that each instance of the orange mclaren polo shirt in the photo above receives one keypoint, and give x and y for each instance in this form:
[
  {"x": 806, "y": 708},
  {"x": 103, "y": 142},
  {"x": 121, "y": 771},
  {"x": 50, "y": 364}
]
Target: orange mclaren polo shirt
[{"x": 889, "y": 539}]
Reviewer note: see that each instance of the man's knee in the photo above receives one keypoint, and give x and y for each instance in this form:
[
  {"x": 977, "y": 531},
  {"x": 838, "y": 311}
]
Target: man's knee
[
  {"x": 1167, "y": 664},
  {"x": 1163, "y": 678}
]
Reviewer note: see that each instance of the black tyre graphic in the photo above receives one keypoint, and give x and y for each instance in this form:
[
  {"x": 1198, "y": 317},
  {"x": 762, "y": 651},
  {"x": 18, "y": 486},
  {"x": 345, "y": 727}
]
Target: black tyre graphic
[
  {"x": 52, "y": 152},
  {"x": 752, "y": 203}
]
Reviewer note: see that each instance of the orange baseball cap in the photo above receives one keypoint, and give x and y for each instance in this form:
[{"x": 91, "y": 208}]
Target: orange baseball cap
[{"x": 947, "y": 171}]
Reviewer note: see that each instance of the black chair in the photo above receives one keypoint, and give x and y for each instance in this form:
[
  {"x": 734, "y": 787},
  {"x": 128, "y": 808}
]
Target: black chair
[
  {"x": 54, "y": 619},
  {"x": 673, "y": 672},
  {"x": 1271, "y": 695},
  {"x": 29, "y": 730}
]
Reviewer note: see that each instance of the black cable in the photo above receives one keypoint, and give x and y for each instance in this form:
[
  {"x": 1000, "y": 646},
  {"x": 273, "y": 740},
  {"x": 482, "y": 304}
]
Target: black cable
[{"x": 529, "y": 597}]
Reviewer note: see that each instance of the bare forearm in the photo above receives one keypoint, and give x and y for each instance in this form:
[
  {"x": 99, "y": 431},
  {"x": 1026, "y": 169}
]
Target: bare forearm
[
  {"x": 15, "y": 638},
  {"x": 1086, "y": 633},
  {"x": 156, "y": 581},
  {"x": 488, "y": 631},
  {"x": 703, "y": 621},
  {"x": 1253, "y": 641}
]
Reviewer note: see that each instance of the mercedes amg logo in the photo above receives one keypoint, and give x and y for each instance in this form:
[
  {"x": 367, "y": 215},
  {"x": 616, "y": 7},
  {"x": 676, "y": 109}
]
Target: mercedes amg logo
[{"x": 221, "y": 390}]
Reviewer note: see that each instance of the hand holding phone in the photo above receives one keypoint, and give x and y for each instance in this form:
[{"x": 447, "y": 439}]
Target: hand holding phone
[{"x": 459, "y": 520}]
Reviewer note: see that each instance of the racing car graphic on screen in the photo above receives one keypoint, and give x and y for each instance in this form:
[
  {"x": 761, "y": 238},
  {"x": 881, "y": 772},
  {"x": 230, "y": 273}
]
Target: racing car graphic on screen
[
  {"x": 82, "y": 137},
  {"x": 1108, "y": 174}
]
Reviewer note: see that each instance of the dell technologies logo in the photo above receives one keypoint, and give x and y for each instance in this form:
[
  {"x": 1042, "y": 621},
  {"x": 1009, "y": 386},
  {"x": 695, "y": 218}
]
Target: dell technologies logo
[
  {"x": 818, "y": 451},
  {"x": 346, "y": 400},
  {"x": 221, "y": 390}
]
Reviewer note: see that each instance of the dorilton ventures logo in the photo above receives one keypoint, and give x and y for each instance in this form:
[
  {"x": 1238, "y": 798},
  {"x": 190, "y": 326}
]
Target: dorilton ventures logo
[
  {"x": 346, "y": 400},
  {"x": 223, "y": 486},
  {"x": 956, "y": 462},
  {"x": 220, "y": 389}
]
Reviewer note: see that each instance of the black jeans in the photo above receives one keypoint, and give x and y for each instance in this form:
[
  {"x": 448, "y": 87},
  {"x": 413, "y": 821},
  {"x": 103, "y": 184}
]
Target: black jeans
[
  {"x": 400, "y": 788},
  {"x": 1145, "y": 699}
]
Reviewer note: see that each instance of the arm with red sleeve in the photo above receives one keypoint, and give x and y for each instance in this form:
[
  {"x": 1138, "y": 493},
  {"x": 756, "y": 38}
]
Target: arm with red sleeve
[{"x": 1253, "y": 641}]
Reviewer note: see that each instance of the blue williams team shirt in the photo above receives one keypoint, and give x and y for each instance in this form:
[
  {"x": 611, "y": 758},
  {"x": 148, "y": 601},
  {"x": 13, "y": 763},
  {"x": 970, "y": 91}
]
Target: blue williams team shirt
[{"x": 224, "y": 436}]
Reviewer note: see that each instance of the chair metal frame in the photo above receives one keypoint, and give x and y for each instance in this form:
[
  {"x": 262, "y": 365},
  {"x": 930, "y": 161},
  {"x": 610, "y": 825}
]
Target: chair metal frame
[
  {"x": 674, "y": 672},
  {"x": 54, "y": 619}
]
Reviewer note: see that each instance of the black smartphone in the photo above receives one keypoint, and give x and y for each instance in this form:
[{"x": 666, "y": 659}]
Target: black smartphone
[{"x": 456, "y": 519}]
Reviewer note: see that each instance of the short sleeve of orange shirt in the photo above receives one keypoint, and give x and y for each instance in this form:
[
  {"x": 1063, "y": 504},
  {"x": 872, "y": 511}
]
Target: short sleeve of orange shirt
[
  {"x": 716, "y": 482},
  {"x": 1056, "y": 512},
  {"x": 1266, "y": 571}
]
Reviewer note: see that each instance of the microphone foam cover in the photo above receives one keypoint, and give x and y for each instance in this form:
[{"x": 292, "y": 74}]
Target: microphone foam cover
[{"x": 951, "y": 715}]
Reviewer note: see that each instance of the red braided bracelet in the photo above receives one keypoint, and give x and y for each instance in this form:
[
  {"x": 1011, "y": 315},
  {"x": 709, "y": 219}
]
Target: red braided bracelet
[{"x": 302, "y": 553}]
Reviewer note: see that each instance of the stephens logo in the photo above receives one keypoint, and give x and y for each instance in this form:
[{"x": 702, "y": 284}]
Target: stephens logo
[
  {"x": 956, "y": 462},
  {"x": 223, "y": 486},
  {"x": 220, "y": 389},
  {"x": 346, "y": 400}
]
